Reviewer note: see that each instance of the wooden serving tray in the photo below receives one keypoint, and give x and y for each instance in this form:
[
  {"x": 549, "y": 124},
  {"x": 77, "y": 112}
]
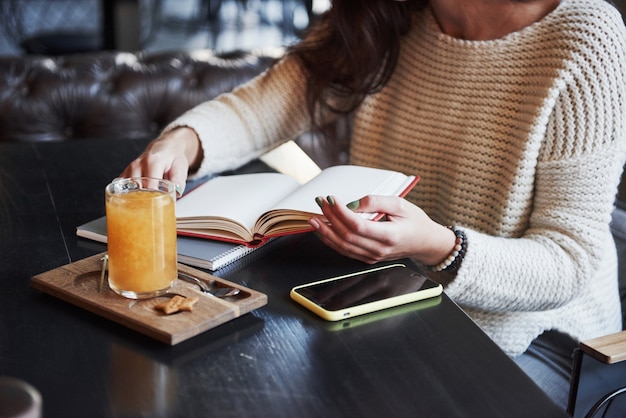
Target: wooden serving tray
[{"x": 77, "y": 283}]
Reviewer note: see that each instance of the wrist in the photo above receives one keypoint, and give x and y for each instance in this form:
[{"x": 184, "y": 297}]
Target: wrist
[
  {"x": 191, "y": 146},
  {"x": 453, "y": 259},
  {"x": 436, "y": 245}
]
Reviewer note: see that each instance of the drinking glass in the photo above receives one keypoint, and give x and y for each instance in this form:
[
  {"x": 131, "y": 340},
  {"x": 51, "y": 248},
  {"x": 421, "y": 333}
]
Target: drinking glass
[
  {"x": 141, "y": 231},
  {"x": 18, "y": 399}
]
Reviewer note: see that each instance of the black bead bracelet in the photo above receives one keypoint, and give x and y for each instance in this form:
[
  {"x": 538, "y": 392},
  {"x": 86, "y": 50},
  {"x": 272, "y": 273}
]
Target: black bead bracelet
[{"x": 454, "y": 259}]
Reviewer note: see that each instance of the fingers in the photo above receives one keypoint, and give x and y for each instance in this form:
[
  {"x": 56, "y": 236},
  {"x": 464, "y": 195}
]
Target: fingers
[
  {"x": 353, "y": 224},
  {"x": 329, "y": 237},
  {"x": 348, "y": 233},
  {"x": 384, "y": 205},
  {"x": 344, "y": 229},
  {"x": 167, "y": 158},
  {"x": 147, "y": 165},
  {"x": 178, "y": 176}
]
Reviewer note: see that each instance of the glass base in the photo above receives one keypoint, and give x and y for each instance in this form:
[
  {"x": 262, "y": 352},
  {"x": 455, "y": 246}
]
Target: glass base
[{"x": 143, "y": 295}]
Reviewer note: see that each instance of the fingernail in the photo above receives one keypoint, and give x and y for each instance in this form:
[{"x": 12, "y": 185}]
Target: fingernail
[
  {"x": 353, "y": 205},
  {"x": 331, "y": 200},
  {"x": 314, "y": 224},
  {"x": 320, "y": 201},
  {"x": 179, "y": 189}
]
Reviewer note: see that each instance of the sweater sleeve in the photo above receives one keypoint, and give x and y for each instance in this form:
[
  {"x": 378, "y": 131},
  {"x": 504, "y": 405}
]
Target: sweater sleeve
[
  {"x": 239, "y": 126},
  {"x": 577, "y": 173}
]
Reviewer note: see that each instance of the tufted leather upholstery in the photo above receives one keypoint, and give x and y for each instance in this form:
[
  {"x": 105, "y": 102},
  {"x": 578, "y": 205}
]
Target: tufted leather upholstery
[
  {"x": 126, "y": 95},
  {"x": 112, "y": 94}
]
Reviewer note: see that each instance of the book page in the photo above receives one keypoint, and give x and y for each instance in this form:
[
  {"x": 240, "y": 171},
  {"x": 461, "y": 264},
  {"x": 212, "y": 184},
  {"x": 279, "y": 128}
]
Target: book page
[
  {"x": 242, "y": 198},
  {"x": 347, "y": 183}
]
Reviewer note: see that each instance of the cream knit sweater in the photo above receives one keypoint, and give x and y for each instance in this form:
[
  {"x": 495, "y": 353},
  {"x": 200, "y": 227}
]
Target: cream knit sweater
[{"x": 520, "y": 141}]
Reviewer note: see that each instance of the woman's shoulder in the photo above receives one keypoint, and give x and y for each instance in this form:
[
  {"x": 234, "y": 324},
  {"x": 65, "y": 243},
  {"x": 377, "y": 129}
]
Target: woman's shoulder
[
  {"x": 590, "y": 17},
  {"x": 589, "y": 7},
  {"x": 586, "y": 30}
]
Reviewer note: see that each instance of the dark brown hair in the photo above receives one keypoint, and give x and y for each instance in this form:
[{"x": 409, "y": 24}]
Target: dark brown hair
[{"x": 352, "y": 50}]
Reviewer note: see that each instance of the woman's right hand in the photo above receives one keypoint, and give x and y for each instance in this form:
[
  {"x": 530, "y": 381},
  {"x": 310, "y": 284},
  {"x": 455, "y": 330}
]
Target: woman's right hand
[{"x": 171, "y": 157}]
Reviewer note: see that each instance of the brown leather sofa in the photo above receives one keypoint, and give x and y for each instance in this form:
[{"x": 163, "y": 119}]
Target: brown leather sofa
[{"x": 131, "y": 96}]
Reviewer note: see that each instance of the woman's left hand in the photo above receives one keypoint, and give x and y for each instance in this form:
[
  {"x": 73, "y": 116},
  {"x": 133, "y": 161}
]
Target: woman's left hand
[{"x": 406, "y": 232}]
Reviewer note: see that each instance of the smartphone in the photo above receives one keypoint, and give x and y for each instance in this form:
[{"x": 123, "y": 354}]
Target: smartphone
[{"x": 365, "y": 291}]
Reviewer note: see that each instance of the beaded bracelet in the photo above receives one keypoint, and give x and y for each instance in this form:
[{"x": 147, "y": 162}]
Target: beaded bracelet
[{"x": 453, "y": 260}]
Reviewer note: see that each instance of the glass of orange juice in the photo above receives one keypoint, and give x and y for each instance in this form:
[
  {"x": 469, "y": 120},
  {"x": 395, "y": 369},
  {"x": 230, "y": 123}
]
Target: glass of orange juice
[{"x": 141, "y": 231}]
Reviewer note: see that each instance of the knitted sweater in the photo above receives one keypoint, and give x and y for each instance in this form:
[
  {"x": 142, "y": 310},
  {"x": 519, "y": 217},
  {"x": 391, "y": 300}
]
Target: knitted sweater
[{"x": 520, "y": 141}]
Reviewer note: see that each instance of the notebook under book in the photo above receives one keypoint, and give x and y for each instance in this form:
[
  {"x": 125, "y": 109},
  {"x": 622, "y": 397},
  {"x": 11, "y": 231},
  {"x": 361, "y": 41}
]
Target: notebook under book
[{"x": 197, "y": 252}]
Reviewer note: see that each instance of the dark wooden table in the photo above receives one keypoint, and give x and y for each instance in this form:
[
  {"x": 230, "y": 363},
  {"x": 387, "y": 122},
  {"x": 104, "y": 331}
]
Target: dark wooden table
[{"x": 278, "y": 361}]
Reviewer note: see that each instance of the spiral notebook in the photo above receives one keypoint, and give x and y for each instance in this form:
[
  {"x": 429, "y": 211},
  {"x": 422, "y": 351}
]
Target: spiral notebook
[{"x": 208, "y": 254}]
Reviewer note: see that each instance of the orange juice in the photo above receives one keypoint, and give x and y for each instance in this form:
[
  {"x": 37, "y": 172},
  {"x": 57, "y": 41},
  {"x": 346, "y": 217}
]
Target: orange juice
[{"x": 141, "y": 230}]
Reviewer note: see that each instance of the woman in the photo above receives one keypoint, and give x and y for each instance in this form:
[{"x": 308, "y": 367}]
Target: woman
[{"x": 512, "y": 112}]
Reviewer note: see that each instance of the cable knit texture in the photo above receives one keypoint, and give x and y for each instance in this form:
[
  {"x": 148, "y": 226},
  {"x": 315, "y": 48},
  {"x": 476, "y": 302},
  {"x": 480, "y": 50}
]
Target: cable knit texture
[{"x": 520, "y": 141}]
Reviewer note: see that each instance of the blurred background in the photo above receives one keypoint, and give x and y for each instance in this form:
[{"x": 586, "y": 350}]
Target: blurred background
[
  {"x": 52, "y": 27},
  {"x": 59, "y": 26}
]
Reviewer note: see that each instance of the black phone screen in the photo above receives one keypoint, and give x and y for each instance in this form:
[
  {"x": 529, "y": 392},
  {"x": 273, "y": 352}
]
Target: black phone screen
[{"x": 360, "y": 289}]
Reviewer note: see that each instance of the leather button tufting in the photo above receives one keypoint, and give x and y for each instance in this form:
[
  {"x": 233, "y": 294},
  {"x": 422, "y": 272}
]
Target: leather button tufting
[{"x": 113, "y": 94}]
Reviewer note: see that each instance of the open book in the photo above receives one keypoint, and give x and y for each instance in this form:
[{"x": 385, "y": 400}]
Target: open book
[{"x": 252, "y": 208}]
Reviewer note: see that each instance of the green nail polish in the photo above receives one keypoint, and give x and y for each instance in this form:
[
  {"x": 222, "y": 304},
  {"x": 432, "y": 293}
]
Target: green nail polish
[
  {"x": 320, "y": 201},
  {"x": 353, "y": 205},
  {"x": 331, "y": 200}
]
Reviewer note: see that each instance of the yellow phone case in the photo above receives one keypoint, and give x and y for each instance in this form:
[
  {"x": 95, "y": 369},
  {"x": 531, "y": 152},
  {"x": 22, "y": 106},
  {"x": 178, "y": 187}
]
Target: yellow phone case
[{"x": 336, "y": 315}]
